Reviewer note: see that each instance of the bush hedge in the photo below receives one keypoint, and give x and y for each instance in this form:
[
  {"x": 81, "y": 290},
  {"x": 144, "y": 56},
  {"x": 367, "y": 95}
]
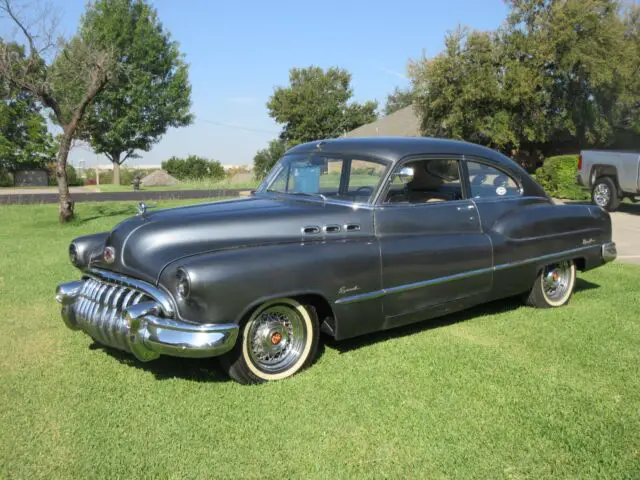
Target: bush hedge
[
  {"x": 126, "y": 175},
  {"x": 194, "y": 168},
  {"x": 73, "y": 179},
  {"x": 6, "y": 179},
  {"x": 557, "y": 175}
]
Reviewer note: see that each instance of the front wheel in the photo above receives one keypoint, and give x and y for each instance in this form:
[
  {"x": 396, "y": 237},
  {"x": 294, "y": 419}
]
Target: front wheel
[
  {"x": 279, "y": 339},
  {"x": 553, "y": 286},
  {"x": 605, "y": 194}
]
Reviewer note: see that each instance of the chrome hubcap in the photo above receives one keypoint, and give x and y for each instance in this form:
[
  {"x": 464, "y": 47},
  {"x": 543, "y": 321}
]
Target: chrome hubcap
[
  {"x": 276, "y": 338},
  {"x": 556, "y": 280},
  {"x": 601, "y": 195}
]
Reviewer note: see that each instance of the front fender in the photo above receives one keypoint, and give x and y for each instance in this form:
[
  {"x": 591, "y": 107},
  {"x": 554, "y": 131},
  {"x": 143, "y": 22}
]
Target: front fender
[{"x": 226, "y": 285}]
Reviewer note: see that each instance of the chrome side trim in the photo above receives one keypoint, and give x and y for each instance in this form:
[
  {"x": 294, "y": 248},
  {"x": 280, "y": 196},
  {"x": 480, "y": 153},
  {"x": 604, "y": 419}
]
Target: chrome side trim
[
  {"x": 163, "y": 298},
  {"x": 543, "y": 258},
  {"x": 458, "y": 276}
]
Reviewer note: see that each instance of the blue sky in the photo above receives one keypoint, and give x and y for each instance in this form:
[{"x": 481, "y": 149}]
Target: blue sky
[{"x": 239, "y": 50}]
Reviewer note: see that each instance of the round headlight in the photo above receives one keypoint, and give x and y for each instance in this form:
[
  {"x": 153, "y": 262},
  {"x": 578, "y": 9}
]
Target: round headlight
[
  {"x": 183, "y": 287},
  {"x": 73, "y": 254}
]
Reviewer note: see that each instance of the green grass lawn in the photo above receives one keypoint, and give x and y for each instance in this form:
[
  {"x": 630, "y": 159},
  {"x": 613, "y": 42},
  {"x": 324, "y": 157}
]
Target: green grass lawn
[{"x": 501, "y": 391}]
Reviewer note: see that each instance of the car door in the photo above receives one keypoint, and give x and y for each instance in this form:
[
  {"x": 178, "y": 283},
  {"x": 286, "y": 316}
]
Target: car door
[{"x": 433, "y": 250}]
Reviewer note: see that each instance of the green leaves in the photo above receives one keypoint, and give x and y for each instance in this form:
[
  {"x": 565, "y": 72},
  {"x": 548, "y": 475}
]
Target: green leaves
[
  {"x": 397, "y": 100},
  {"x": 194, "y": 168},
  {"x": 150, "y": 92},
  {"x": 266, "y": 158},
  {"x": 557, "y": 76},
  {"x": 317, "y": 105},
  {"x": 24, "y": 139}
]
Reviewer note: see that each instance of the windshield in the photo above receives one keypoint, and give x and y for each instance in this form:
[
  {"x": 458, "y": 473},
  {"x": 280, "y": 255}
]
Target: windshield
[{"x": 348, "y": 179}]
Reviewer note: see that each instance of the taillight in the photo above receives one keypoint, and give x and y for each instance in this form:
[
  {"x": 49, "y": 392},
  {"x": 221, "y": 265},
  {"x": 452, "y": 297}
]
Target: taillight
[{"x": 580, "y": 162}]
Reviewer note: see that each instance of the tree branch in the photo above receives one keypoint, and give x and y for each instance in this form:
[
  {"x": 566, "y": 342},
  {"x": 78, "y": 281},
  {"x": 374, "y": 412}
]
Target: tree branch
[{"x": 6, "y": 6}]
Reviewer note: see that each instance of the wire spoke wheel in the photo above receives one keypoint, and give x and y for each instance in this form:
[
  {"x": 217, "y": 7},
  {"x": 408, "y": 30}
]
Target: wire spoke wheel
[
  {"x": 276, "y": 338},
  {"x": 557, "y": 280}
]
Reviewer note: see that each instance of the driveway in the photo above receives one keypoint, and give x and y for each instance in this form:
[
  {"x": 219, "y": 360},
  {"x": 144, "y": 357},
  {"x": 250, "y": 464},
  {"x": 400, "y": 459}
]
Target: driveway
[{"x": 626, "y": 232}]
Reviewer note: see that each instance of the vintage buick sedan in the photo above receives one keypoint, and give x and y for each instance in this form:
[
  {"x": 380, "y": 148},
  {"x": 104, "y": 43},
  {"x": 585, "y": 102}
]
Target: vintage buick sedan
[{"x": 344, "y": 237}]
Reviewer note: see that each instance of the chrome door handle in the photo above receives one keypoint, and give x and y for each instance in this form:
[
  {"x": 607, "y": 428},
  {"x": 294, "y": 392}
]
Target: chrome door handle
[{"x": 465, "y": 208}]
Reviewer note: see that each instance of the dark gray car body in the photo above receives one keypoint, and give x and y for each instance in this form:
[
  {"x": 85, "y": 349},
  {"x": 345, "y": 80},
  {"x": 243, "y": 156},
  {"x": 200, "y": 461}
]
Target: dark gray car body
[{"x": 386, "y": 265}]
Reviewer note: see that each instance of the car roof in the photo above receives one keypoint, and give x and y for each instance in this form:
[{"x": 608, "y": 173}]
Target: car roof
[{"x": 396, "y": 148}]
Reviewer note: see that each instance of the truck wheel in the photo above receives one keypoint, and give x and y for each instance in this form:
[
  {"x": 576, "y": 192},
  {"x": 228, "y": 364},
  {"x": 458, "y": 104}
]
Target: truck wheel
[
  {"x": 605, "y": 194},
  {"x": 279, "y": 339},
  {"x": 553, "y": 286}
]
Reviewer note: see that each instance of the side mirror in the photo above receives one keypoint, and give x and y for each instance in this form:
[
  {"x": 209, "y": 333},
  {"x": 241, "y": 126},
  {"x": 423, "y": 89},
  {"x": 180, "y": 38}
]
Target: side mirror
[{"x": 405, "y": 174}]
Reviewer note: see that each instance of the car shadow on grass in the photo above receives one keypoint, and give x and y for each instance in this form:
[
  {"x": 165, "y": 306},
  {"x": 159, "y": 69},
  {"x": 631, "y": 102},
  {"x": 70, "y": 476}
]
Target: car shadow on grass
[
  {"x": 209, "y": 370},
  {"x": 168, "y": 368}
]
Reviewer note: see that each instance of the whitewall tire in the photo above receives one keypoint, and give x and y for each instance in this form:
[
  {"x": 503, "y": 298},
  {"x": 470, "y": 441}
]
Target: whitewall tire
[{"x": 279, "y": 339}]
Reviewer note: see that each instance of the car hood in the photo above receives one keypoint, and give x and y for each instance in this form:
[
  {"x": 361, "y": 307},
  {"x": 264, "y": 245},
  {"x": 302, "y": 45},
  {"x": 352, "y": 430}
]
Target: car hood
[{"x": 145, "y": 244}]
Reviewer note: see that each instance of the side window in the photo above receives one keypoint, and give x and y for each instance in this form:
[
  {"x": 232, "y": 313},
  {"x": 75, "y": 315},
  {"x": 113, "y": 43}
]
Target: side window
[
  {"x": 434, "y": 180},
  {"x": 489, "y": 182},
  {"x": 364, "y": 178}
]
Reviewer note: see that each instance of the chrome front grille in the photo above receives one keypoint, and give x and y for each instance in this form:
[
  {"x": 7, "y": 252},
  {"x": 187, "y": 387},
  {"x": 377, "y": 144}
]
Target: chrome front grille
[{"x": 98, "y": 310}]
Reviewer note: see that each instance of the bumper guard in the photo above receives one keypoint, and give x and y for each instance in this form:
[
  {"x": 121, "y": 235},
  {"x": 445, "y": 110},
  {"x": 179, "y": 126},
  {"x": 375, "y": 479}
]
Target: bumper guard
[{"x": 92, "y": 305}]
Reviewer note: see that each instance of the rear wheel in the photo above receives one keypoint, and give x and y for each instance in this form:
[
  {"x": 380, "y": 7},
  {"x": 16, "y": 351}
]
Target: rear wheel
[
  {"x": 279, "y": 339},
  {"x": 553, "y": 286},
  {"x": 605, "y": 194}
]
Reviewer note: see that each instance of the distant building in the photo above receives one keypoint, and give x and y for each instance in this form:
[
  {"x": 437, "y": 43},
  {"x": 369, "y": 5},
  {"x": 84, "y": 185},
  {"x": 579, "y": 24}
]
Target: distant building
[{"x": 403, "y": 123}]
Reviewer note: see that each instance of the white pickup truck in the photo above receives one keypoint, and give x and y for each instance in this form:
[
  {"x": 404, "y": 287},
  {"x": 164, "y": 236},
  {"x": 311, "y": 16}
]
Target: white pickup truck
[{"x": 610, "y": 175}]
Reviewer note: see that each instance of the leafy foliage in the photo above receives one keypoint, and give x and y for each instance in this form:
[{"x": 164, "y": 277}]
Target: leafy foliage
[
  {"x": 66, "y": 85},
  {"x": 151, "y": 91},
  {"x": 194, "y": 168},
  {"x": 265, "y": 159},
  {"x": 317, "y": 104},
  {"x": 558, "y": 178},
  {"x": 559, "y": 76},
  {"x": 24, "y": 139},
  {"x": 397, "y": 100}
]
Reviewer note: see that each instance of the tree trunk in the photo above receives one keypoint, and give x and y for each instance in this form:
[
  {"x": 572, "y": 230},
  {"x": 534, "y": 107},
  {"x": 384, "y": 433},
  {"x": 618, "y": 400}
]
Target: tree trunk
[
  {"x": 116, "y": 170},
  {"x": 66, "y": 203}
]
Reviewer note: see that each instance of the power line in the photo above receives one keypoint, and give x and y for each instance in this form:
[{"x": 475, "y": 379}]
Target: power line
[{"x": 238, "y": 127}]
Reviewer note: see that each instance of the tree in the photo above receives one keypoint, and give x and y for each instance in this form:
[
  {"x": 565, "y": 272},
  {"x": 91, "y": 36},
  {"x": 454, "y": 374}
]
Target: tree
[
  {"x": 151, "y": 92},
  {"x": 66, "y": 86},
  {"x": 570, "y": 65},
  {"x": 317, "y": 104},
  {"x": 459, "y": 93},
  {"x": 24, "y": 138},
  {"x": 397, "y": 100},
  {"x": 266, "y": 158},
  {"x": 558, "y": 77}
]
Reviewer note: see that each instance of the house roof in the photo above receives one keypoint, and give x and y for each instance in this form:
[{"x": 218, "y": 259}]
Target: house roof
[{"x": 403, "y": 123}]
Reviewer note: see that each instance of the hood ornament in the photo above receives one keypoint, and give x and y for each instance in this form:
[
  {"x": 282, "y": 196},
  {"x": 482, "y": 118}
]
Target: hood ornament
[{"x": 143, "y": 207}]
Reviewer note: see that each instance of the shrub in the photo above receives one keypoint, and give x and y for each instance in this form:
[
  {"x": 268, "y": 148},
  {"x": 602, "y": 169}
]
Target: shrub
[
  {"x": 557, "y": 175},
  {"x": 194, "y": 168},
  {"x": 6, "y": 180},
  {"x": 72, "y": 176}
]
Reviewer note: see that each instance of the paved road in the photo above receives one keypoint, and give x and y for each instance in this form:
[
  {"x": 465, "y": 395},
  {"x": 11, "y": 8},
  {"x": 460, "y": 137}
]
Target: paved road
[
  {"x": 83, "y": 196},
  {"x": 626, "y": 232}
]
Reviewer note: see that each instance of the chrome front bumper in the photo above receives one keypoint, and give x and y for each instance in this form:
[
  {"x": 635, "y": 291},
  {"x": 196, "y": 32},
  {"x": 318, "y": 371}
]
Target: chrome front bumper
[
  {"x": 133, "y": 316},
  {"x": 609, "y": 252}
]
